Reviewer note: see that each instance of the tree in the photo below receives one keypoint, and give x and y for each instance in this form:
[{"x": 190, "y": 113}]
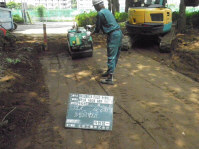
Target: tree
[
  {"x": 127, "y": 5},
  {"x": 74, "y": 3},
  {"x": 109, "y": 5},
  {"x": 13, "y": 5},
  {"x": 30, "y": 6},
  {"x": 114, "y": 6},
  {"x": 41, "y": 12},
  {"x": 182, "y": 17}
]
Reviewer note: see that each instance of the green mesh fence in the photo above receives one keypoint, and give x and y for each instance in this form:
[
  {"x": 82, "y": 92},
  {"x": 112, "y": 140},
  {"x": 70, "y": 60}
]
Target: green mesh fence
[
  {"x": 52, "y": 15},
  {"x": 17, "y": 12}
]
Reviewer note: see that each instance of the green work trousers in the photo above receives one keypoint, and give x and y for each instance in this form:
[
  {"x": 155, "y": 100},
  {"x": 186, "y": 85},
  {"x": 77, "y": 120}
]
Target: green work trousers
[{"x": 114, "y": 42}]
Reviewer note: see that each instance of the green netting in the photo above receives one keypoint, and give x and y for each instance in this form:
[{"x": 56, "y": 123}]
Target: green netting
[
  {"x": 173, "y": 7},
  {"x": 17, "y": 12},
  {"x": 50, "y": 15}
]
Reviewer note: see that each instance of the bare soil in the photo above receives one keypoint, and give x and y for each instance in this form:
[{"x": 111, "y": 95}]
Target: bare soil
[
  {"x": 22, "y": 90},
  {"x": 186, "y": 57},
  {"x": 155, "y": 106}
]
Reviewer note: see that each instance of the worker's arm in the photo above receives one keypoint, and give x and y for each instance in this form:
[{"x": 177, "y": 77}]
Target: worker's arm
[{"x": 98, "y": 24}]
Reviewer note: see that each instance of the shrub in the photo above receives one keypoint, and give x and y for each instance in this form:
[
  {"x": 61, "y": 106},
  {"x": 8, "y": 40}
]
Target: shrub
[
  {"x": 13, "y": 61},
  {"x": 90, "y": 18},
  {"x": 18, "y": 19},
  {"x": 122, "y": 24},
  {"x": 192, "y": 18},
  {"x": 86, "y": 19},
  {"x": 41, "y": 12},
  {"x": 121, "y": 17}
]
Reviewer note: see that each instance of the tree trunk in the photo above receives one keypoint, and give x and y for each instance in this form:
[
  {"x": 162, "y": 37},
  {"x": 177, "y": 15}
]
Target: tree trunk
[
  {"x": 126, "y": 5},
  {"x": 109, "y": 5},
  {"x": 115, "y": 6},
  {"x": 130, "y": 3},
  {"x": 182, "y": 18}
]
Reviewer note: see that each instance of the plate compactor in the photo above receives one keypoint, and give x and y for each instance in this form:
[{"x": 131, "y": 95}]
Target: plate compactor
[{"x": 80, "y": 42}]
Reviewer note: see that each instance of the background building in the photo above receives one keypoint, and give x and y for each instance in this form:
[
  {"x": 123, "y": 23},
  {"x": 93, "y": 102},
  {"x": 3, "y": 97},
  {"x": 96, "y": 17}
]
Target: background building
[
  {"x": 52, "y": 4},
  {"x": 86, "y": 5},
  {"x": 49, "y": 4}
]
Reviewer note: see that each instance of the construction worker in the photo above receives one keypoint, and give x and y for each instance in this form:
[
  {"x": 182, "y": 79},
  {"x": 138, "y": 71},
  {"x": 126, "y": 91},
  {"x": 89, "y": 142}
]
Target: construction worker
[{"x": 107, "y": 23}]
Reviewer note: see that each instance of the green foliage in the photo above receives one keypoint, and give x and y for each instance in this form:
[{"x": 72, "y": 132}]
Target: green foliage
[
  {"x": 172, "y": 6},
  {"x": 86, "y": 19},
  {"x": 18, "y": 19},
  {"x": 41, "y": 11},
  {"x": 74, "y": 3},
  {"x": 192, "y": 18},
  {"x": 31, "y": 7},
  {"x": 13, "y": 5},
  {"x": 90, "y": 18},
  {"x": 122, "y": 24},
  {"x": 121, "y": 17},
  {"x": 13, "y": 61}
]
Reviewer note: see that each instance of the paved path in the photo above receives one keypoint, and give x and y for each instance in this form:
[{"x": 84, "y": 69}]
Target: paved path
[{"x": 37, "y": 28}]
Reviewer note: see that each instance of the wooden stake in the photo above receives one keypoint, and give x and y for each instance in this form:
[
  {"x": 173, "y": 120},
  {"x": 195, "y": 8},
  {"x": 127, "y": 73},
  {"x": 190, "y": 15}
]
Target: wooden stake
[{"x": 45, "y": 38}]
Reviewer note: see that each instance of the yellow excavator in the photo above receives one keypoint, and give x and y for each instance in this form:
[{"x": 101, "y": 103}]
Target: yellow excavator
[{"x": 151, "y": 18}]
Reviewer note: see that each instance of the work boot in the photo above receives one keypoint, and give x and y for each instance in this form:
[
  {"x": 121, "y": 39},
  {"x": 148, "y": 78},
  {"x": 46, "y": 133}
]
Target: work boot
[
  {"x": 108, "y": 80},
  {"x": 105, "y": 74}
]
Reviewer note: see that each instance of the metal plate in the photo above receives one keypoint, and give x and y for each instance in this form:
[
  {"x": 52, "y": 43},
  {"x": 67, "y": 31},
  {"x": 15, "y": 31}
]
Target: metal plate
[
  {"x": 90, "y": 112},
  {"x": 6, "y": 19}
]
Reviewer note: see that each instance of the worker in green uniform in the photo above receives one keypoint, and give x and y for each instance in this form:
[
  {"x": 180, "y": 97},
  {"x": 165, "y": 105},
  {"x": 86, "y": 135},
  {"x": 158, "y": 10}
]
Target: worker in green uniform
[{"x": 107, "y": 23}]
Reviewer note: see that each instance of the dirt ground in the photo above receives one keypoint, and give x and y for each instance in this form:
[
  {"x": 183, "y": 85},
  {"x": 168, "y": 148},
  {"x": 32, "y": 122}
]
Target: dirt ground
[
  {"x": 22, "y": 91},
  {"x": 186, "y": 57},
  {"x": 155, "y": 106},
  {"x": 183, "y": 59}
]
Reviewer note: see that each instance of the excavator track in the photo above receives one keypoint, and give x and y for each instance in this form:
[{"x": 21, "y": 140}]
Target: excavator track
[{"x": 168, "y": 41}]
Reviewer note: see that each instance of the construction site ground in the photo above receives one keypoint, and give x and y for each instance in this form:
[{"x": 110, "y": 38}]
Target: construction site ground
[{"x": 155, "y": 106}]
